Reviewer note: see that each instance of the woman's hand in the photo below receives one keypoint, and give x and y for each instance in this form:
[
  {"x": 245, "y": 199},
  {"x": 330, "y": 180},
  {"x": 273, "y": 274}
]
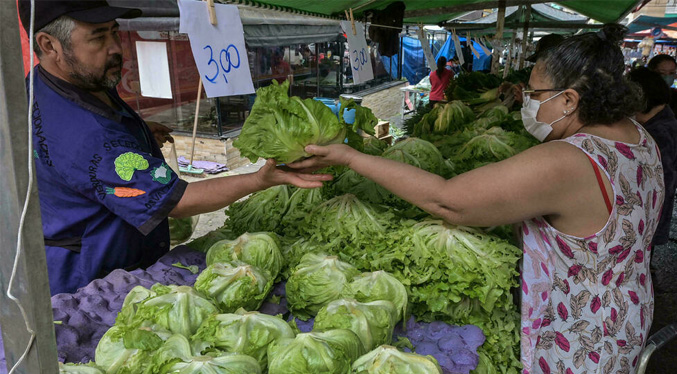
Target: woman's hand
[
  {"x": 271, "y": 175},
  {"x": 323, "y": 156}
]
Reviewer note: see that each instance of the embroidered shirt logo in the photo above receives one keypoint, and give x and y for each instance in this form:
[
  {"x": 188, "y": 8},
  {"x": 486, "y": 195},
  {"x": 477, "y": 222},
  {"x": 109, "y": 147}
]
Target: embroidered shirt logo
[
  {"x": 162, "y": 174},
  {"x": 124, "y": 191},
  {"x": 127, "y": 163}
]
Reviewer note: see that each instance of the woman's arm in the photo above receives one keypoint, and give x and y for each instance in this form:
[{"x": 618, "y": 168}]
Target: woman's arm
[{"x": 536, "y": 182}]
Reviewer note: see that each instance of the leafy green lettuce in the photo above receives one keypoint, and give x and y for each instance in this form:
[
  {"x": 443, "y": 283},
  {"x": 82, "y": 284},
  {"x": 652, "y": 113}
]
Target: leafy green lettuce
[
  {"x": 262, "y": 211},
  {"x": 176, "y": 357},
  {"x": 379, "y": 285},
  {"x": 234, "y": 285},
  {"x": 261, "y": 249},
  {"x": 317, "y": 281},
  {"x": 373, "y": 322},
  {"x": 388, "y": 359},
  {"x": 330, "y": 352},
  {"x": 243, "y": 332},
  {"x": 179, "y": 309},
  {"x": 280, "y": 127}
]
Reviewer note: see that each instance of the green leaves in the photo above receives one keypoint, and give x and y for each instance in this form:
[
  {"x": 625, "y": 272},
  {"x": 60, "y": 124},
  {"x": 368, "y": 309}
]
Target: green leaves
[
  {"x": 234, "y": 285},
  {"x": 262, "y": 211},
  {"x": 243, "y": 332},
  {"x": 316, "y": 352},
  {"x": 280, "y": 127},
  {"x": 261, "y": 249},
  {"x": 317, "y": 281},
  {"x": 387, "y": 359},
  {"x": 373, "y": 322}
]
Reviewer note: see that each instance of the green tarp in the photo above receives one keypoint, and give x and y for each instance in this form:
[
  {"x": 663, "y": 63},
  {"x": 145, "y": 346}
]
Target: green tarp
[{"x": 600, "y": 10}]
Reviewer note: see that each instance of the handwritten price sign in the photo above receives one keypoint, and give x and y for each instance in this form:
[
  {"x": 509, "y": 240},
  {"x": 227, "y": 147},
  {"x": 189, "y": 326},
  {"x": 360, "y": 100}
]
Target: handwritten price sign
[
  {"x": 219, "y": 50},
  {"x": 360, "y": 60}
]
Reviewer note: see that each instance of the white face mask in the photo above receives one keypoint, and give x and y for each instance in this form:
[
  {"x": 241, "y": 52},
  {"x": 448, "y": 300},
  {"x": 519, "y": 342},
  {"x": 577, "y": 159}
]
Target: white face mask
[{"x": 530, "y": 107}]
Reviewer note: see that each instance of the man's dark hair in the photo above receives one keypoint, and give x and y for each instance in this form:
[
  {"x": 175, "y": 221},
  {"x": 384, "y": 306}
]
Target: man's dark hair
[
  {"x": 593, "y": 65},
  {"x": 61, "y": 29},
  {"x": 657, "y": 60},
  {"x": 656, "y": 92}
]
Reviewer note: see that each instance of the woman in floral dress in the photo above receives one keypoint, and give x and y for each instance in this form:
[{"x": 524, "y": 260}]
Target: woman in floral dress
[{"x": 588, "y": 198}]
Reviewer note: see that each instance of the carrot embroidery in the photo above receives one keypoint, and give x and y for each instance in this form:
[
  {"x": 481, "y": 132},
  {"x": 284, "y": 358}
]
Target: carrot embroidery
[{"x": 124, "y": 191}]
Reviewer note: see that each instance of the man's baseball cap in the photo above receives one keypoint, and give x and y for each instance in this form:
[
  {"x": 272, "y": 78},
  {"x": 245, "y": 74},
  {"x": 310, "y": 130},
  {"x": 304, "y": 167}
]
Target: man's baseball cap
[
  {"x": 545, "y": 43},
  {"x": 90, "y": 11}
]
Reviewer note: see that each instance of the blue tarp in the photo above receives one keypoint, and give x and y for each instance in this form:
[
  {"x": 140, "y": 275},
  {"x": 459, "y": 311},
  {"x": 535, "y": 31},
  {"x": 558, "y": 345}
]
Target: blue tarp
[
  {"x": 414, "y": 66},
  {"x": 448, "y": 50}
]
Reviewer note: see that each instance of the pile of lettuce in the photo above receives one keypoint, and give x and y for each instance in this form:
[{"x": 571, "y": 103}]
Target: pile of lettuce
[{"x": 356, "y": 257}]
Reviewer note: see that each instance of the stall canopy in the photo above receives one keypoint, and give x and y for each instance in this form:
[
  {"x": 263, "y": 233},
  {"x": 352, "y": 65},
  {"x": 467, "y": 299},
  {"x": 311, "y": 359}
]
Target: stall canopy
[
  {"x": 542, "y": 16},
  {"x": 262, "y": 27},
  {"x": 643, "y": 22},
  {"x": 435, "y": 11}
]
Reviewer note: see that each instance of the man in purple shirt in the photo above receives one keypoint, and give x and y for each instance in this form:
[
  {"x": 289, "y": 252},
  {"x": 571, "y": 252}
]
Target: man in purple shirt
[{"x": 105, "y": 189}]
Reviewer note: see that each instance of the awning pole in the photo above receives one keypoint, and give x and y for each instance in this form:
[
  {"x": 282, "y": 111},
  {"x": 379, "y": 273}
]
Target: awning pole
[
  {"x": 30, "y": 284},
  {"x": 525, "y": 36},
  {"x": 498, "y": 50},
  {"x": 511, "y": 47}
]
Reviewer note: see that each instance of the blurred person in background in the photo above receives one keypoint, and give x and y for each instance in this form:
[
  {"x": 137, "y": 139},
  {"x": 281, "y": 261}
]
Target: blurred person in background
[
  {"x": 659, "y": 120},
  {"x": 666, "y": 66},
  {"x": 439, "y": 80}
]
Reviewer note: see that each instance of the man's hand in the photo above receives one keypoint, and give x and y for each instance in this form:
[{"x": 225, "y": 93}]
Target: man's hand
[
  {"x": 271, "y": 175},
  {"x": 160, "y": 133}
]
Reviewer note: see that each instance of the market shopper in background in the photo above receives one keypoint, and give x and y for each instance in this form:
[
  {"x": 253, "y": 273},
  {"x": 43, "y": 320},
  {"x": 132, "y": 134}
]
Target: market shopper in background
[
  {"x": 589, "y": 199},
  {"x": 659, "y": 120},
  {"x": 666, "y": 66},
  {"x": 439, "y": 80},
  {"x": 105, "y": 190}
]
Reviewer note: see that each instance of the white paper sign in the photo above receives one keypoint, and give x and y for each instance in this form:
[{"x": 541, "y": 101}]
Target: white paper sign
[
  {"x": 360, "y": 60},
  {"x": 219, "y": 50},
  {"x": 154, "y": 69},
  {"x": 481, "y": 42},
  {"x": 425, "y": 44},
  {"x": 457, "y": 47}
]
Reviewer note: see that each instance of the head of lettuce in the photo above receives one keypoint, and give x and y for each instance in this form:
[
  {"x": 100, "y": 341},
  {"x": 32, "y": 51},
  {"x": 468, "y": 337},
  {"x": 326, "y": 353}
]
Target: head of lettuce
[{"x": 280, "y": 127}]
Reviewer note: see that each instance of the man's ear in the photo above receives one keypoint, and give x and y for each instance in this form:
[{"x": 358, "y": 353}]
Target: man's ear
[{"x": 49, "y": 45}]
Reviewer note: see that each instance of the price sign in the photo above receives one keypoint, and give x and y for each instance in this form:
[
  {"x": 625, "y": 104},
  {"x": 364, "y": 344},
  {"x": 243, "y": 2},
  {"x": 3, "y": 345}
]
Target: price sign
[
  {"x": 219, "y": 50},
  {"x": 360, "y": 60}
]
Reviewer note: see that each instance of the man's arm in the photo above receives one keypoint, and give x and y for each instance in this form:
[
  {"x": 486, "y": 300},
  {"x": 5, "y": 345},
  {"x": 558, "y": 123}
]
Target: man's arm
[{"x": 213, "y": 194}]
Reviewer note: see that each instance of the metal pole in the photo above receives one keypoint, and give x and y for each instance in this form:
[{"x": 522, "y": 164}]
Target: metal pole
[
  {"x": 31, "y": 285},
  {"x": 508, "y": 63},
  {"x": 500, "y": 23},
  {"x": 400, "y": 59},
  {"x": 219, "y": 117},
  {"x": 317, "y": 67},
  {"x": 525, "y": 36}
]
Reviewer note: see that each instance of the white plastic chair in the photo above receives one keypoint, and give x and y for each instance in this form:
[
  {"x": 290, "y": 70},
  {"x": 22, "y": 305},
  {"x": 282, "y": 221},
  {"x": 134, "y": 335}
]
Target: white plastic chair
[{"x": 655, "y": 342}]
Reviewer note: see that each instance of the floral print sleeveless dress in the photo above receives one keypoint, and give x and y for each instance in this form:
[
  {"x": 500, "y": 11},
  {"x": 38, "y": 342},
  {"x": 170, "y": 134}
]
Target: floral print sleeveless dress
[{"x": 587, "y": 303}]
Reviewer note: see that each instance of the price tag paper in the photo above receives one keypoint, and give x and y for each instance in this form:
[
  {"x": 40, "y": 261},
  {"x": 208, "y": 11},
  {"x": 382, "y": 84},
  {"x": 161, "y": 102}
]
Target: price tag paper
[
  {"x": 360, "y": 60},
  {"x": 219, "y": 50}
]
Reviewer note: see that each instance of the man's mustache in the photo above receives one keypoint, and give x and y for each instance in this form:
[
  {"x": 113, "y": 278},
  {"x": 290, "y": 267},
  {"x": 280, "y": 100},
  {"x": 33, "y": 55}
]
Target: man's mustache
[{"x": 114, "y": 62}]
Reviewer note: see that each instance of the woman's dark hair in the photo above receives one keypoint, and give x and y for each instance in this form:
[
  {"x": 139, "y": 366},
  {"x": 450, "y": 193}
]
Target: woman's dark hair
[
  {"x": 656, "y": 92},
  {"x": 654, "y": 62},
  {"x": 441, "y": 63},
  {"x": 593, "y": 65}
]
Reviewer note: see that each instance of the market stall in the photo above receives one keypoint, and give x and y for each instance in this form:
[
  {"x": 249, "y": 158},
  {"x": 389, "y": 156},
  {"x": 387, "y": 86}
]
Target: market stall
[{"x": 310, "y": 259}]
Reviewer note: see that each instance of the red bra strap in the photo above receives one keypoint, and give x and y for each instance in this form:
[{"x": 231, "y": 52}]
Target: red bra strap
[{"x": 601, "y": 184}]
